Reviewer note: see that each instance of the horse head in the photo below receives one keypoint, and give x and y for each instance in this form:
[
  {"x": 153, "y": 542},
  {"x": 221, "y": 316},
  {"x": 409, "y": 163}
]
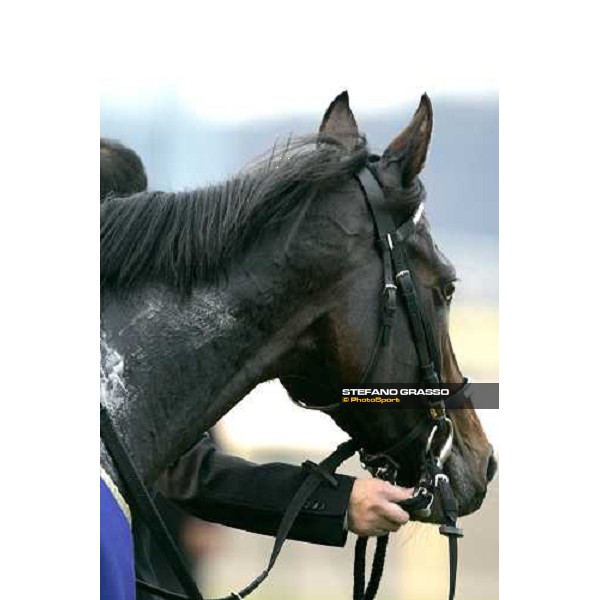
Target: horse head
[
  {"x": 276, "y": 274},
  {"x": 338, "y": 348}
]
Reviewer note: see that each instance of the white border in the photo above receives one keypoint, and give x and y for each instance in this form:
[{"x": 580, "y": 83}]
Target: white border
[{"x": 49, "y": 252}]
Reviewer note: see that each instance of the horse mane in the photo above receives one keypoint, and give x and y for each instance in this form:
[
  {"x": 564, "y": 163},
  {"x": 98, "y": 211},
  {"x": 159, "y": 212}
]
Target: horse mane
[{"x": 184, "y": 238}]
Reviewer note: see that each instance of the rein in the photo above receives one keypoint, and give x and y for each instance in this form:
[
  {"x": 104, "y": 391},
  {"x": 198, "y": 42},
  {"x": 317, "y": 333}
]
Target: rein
[
  {"x": 144, "y": 507},
  {"x": 433, "y": 482}
]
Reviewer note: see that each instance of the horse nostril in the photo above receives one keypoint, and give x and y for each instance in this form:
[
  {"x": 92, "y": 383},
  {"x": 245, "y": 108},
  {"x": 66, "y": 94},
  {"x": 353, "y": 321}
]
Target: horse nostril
[{"x": 492, "y": 466}]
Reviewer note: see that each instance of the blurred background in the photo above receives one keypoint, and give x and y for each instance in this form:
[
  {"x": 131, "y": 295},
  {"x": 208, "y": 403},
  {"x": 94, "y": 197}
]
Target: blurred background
[{"x": 184, "y": 143}]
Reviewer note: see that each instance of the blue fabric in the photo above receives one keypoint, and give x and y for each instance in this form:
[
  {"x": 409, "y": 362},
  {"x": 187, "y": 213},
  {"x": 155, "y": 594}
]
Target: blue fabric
[{"x": 117, "y": 575}]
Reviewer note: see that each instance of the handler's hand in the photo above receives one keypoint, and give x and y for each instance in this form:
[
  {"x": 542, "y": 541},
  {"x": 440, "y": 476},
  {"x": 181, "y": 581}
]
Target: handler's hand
[{"x": 373, "y": 509}]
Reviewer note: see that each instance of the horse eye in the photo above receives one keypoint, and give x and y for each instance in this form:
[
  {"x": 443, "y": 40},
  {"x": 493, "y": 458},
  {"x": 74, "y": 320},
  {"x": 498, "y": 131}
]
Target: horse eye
[{"x": 448, "y": 290}]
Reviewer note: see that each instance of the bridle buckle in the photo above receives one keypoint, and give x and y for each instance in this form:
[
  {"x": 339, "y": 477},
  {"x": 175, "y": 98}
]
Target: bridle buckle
[
  {"x": 390, "y": 298},
  {"x": 380, "y": 466},
  {"x": 423, "y": 495},
  {"x": 401, "y": 274}
]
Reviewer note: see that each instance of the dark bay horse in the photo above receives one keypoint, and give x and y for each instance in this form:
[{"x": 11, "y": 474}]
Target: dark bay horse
[{"x": 272, "y": 274}]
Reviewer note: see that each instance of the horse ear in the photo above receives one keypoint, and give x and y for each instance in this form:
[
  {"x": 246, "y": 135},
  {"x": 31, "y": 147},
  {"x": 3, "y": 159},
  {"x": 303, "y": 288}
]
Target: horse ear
[
  {"x": 339, "y": 123},
  {"x": 409, "y": 149}
]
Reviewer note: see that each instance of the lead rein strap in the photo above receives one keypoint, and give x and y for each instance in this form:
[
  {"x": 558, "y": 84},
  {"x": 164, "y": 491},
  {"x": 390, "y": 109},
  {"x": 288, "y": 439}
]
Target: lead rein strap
[
  {"x": 138, "y": 496},
  {"x": 141, "y": 501},
  {"x": 359, "y": 591},
  {"x": 315, "y": 477}
]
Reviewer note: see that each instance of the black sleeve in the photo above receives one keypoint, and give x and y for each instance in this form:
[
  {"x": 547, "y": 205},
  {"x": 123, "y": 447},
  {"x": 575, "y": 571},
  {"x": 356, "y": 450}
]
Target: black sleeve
[{"x": 229, "y": 490}]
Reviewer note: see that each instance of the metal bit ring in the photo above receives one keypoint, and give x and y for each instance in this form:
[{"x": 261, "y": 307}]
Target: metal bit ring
[{"x": 447, "y": 447}]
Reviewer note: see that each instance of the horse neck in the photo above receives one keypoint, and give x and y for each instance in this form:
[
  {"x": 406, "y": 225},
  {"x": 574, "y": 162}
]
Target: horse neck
[{"x": 172, "y": 368}]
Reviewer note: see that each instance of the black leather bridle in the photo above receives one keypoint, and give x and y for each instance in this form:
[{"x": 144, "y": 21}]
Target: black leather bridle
[
  {"x": 433, "y": 482},
  {"x": 397, "y": 278}
]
